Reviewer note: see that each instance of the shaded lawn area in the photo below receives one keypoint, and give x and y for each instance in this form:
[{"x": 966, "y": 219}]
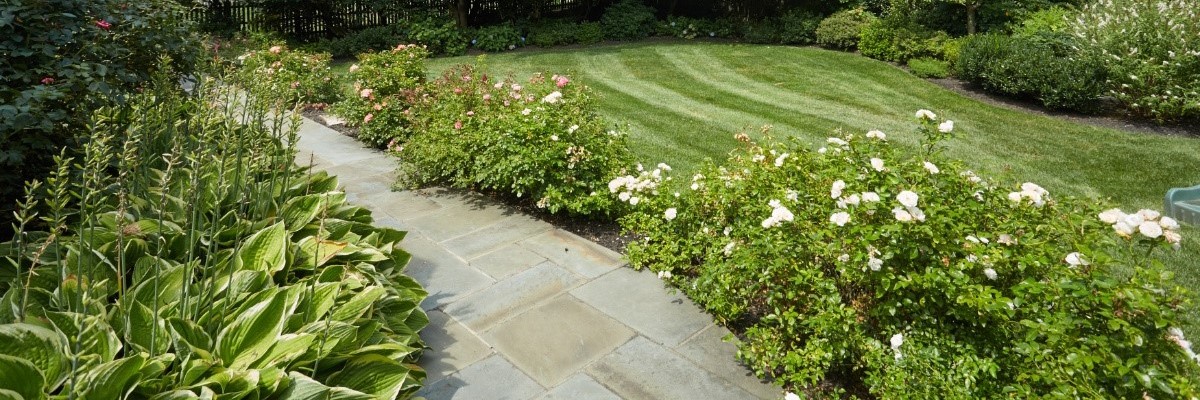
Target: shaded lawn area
[{"x": 685, "y": 100}]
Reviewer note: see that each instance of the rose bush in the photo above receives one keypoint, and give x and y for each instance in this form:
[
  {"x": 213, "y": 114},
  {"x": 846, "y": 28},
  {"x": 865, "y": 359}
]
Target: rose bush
[
  {"x": 384, "y": 84},
  {"x": 539, "y": 139},
  {"x": 911, "y": 276},
  {"x": 288, "y": 76}
]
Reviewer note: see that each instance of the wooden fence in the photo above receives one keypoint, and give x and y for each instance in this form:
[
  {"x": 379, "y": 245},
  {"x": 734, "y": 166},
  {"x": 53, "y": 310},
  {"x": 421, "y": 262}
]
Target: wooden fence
[{"x": 315, "y": 19}]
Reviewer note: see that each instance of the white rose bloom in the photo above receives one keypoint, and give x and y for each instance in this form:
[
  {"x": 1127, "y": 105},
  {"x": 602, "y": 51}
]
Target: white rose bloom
[
  {"x": 840, "y": 218},
  {"x": 553, "y": 97},
  {"x": 844, "y": 257},
  {"x": 1123, "y": 228},
  {"x": 783, "y": 214},
  {"x": 728, "y": 249},
  {"x": 624, "y": 196},
  {"x": 1148, "y": 214},
  {"x": 852, "y": 200},
  {"x": 946, "y": 127},
  {"x": 933, "y": 169},
  {"x": 1015, "y": 197},
  {"x": 1111, "y": 216},
  {"x": 664, "y": 274},
  {"x": 572, "y": 128},
  {"x": 917, "y": 213},
  {"x": 670, "y": 213},
  {"x": 774, "y": 203},
  {"x": 758, "y": 158},
  {"x": 792, "y": 195},
  {"x": 1150, "y": 229},
  {"x": 836, "y": 141},
  {"x": 874, "y": 264},
  {"x": 1169, "y": 223},
  {"x": 554, "y": 137},
  {"x": 821, "y": 150},
  {"x": 871, "y": 197},
  {"x": 695, "y": 186},
  {"x": 877, "y": 135},
  {"x": 1075, "y": 259},
  {"x": 779, "y": 160},
  {"x": 1006, "y": 239},
  {"x": 989, "y": 273},
  {"x": 836, "y": 190},
  {"x": 791, "y": 396},
  {"x": 633, "y": 201},
  {"x": 926, "y": 114},
  {"x": 1173, "y": 237},
  {"x": 908, "y": 198},
  {"x": 902, "y": 215},
  {"x": 1133, "y": 220},
  {"x": 877, "y": 164},
  {"x": 897, "y": 341}
]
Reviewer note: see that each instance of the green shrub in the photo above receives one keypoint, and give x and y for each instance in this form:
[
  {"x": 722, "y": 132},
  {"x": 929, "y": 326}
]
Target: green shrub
[
  {"x": 765, "y": 31},
  {"x": 364, "y": 41},
  {"x": 589, "y": 33},
  {"x": 843, "y": 29},
  {"x": 540, "y": 140},
  {"x": 497, "y": 38},
  {"x": 62, "y": 60},
  {"x": 628, "y": 20},
  {"x": 217, "y": 269},
  {"x": 889, "y": 40},
  {"x": 1056, "y": 76},
  {"x": 799, "y": 27},
  {"x": 439, "y": 34},
  {"x": 288, "y": 76},
  {"x": 691, "y": 28},
  {"x": 926, "y": 67},
  {"x": 1053, "y": 20},
  {"x": 553, "y": 33},
  {"x": 384, "y": 86},
  {"x": 915, "y": 277},
  {"x": 1152, "y": 50}
]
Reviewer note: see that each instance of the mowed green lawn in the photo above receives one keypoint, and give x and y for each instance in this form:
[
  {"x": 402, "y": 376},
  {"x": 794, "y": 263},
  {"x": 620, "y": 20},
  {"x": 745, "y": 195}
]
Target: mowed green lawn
[{"x": 685, "y": 100}]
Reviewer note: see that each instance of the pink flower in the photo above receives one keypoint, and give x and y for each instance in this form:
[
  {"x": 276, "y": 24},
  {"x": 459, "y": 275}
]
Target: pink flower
[
  {"x": 466, "y": 78},
  {"x": 366, "y": 93},
  {"x": 561, "y": 81},
  {"x": 368, "y": 118},
  {"x": 457, "y": 124},
  {"x": 47, "y": 80},
  {"x": 378, "y": 107},
  {"x": 103, "y": 24},
  {"x": 295, "y": 84},
  {"x": 470, "y": 113},
  {"x": 487, "y": 97},
  {"x": 457, "y": 90},
  {"x": 276, "y": 49}
]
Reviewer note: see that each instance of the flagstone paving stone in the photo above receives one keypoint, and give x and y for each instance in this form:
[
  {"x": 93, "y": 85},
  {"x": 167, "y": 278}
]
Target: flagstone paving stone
[{"x": 519, "y": 309}]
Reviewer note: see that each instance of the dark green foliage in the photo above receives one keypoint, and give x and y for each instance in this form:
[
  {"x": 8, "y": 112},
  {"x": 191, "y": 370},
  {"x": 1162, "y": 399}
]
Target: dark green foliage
[
  {"x": 843, "y": 29},
  {"x": 590, "y": 32},
  {"x": 62, "y": 59},
  {"x": 628, "y": 20},
  {"x": 553, "y": 33},
  {"x": 498, "y": 38},
  {"x": 929, "y": 67},
  {"x": 439, "y": 33},
  {"x": 799, "y": 27},
  {"x": 364, "y": 41},
  {"x": 1044, "y": 67}
]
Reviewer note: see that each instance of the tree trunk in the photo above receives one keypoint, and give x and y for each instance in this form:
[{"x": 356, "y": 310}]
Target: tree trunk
[
  {"x": 972, "y": 8},
  {"x": 460, "y": 13}
]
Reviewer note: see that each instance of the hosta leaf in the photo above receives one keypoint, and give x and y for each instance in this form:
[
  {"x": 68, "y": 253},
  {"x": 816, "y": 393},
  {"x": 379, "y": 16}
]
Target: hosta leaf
[
  {"x": 285, "y": 350},
  {"x": 372, "y": 374},
  {"x": 112, "y": 380},
  {"x": 40, "y": 346},
  {"x": 252, "y": 332},
  {"x": 305, "y": 388},
  {"x": 358, "y": 304},
  {"x": 319, "y": 301},
  {"x": 321, "y": 251},
  {"x": 21, "y": 377},
  {"x": 176, "y": 395},
  {"x": 95, "y": 336},
  {"x": 146, "y": 330},
  {"x": 6, "y": 394},
  {"x": 169, "y": 282},
  {"x": 264, "y": 250},
  {"x": 188, "y": 333},
  {"x": 299, "y": 211}
]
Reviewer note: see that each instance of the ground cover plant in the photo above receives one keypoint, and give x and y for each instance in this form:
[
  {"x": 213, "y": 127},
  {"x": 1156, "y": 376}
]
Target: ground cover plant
[
  {"x": 910, "y": 276},
  {"x": 684, "y": 101},
  {"x": 287, "y": 76},
  {"x": 184, "y": 255}
]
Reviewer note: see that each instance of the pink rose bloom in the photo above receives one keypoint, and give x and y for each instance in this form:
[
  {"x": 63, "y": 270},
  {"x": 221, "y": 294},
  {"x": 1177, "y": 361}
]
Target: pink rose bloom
[
  {"x": 470, "y": 113},
  {"x": 47, "y": 80},
  {"x": 457, "y": 124},
  {"x": 365, "y": 93},
  {"x": 378, "y": 107},
  {"x": 103, "y": 24},
  {"x": 276, "y": 49},
  {"x": 368, "y": 118},
  {"x": 353, "y": 68},
  {"x": 457, "y": 90},
  {"x": 561, "y": 81},
  {"x": 487, "y": 97}
]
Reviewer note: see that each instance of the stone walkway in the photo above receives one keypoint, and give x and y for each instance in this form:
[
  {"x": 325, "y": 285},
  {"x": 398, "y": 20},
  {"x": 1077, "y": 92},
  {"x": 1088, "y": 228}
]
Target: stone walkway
[{"x": 519, "y": 309}]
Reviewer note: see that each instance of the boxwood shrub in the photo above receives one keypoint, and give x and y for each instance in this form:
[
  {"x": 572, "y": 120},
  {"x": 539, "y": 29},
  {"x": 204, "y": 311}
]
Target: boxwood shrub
[
  {"x": 1045, "y": 68},
  {"x": 843, "y": 29}
]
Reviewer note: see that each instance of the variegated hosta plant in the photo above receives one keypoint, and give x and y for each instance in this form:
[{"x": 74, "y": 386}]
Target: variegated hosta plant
[{"x": 186, "y": 257}]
